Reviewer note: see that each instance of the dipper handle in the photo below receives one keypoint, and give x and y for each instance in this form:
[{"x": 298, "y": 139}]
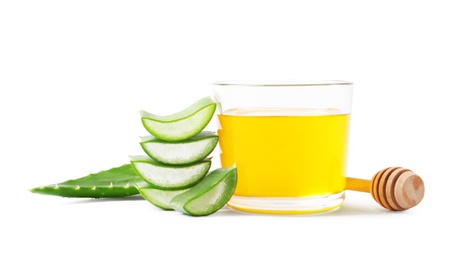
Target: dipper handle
[
  {"x": 394, "y": 188},
  {"x": 358, "y": 184}
]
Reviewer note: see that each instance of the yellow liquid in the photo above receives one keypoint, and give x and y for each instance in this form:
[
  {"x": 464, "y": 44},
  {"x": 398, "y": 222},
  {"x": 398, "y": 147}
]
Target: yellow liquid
[{"x": 300, "y": 154}]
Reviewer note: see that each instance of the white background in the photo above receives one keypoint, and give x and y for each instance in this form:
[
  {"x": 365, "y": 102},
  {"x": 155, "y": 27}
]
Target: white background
[{"x": 74, "y": 74}]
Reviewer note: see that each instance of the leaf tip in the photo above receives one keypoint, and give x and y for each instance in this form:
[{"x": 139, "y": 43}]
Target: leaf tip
[{"x": 36, "y": 189}]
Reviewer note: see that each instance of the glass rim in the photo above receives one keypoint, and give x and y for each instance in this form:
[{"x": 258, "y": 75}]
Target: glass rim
[{"x": 281, "y": 83}]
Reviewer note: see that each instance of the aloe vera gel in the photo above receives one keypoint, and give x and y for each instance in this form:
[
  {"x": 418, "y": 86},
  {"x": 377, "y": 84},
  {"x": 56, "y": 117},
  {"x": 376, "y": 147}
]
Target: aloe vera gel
[{"x": 175, "y": 172}]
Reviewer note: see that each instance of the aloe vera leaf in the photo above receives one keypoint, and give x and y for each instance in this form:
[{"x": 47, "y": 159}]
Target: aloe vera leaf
[
  {"x": 189, "y": 151},
  {"x": 115, "y": 182},
  {"x": 159, "y": 197},
  {"x": 208, "y": 196},
  {"x": 169, "y": 177},
  {"x": 182, "y": 125}
]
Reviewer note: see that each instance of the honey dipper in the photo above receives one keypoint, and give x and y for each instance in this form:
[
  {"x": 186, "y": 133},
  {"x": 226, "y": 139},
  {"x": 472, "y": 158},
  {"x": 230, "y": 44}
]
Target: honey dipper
[{"x": 394, "y": 188}]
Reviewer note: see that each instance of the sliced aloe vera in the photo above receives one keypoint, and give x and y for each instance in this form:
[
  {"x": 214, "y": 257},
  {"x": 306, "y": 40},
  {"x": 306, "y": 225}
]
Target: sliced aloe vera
[
  {"x": 115, "y": 182},
  {"x": 159, "y": 197},
  {"x": 191, "y": 150},
  {"x": 208, "y": 196},
  {"x": 170, "y": 177},
  {"x": 182, "y": 125}
]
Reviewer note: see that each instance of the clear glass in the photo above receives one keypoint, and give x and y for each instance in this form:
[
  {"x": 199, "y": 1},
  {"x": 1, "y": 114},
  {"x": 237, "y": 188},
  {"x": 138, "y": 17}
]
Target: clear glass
[{"x": 288, "y": 141}]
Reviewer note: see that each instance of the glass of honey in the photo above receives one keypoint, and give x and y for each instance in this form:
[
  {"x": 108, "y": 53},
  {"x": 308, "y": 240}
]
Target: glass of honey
[{"x": 288, "y": 140}]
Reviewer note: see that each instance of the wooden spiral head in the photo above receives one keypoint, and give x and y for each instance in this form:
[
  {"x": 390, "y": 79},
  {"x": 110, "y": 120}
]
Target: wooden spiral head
[{"x": 397, "y": 188}]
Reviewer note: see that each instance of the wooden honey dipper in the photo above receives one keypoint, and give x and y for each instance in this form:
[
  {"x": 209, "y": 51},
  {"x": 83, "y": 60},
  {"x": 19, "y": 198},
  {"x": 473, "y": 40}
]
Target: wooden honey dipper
[{"x": 394, "y": 188}]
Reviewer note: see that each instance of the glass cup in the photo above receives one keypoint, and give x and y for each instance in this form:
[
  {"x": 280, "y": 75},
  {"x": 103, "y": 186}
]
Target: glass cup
[{"x": 288, "y": 141}]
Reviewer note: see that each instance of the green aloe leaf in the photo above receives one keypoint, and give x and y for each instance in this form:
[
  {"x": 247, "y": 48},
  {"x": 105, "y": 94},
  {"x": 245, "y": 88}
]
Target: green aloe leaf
[
  {"x": 189, "y": 151},
  {"x": 170, "y": 177},
  {"x": 208, "y": 196},
  {"x": 115, "y": 182},
  {"x": 159, "y": 197},
  {"x": 182, "y": 125}
]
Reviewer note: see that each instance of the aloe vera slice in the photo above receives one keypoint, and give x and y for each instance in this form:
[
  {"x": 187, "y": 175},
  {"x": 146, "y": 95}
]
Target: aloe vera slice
[
  {"x": 208, "y": 196},
  {"x": 159, "y": 197},
  {"x": 182, "y": 125},
  {"x": 115, "y": 182},
  {"x": 170, "y": 177},
  {"x": 191, "y": 150}
]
